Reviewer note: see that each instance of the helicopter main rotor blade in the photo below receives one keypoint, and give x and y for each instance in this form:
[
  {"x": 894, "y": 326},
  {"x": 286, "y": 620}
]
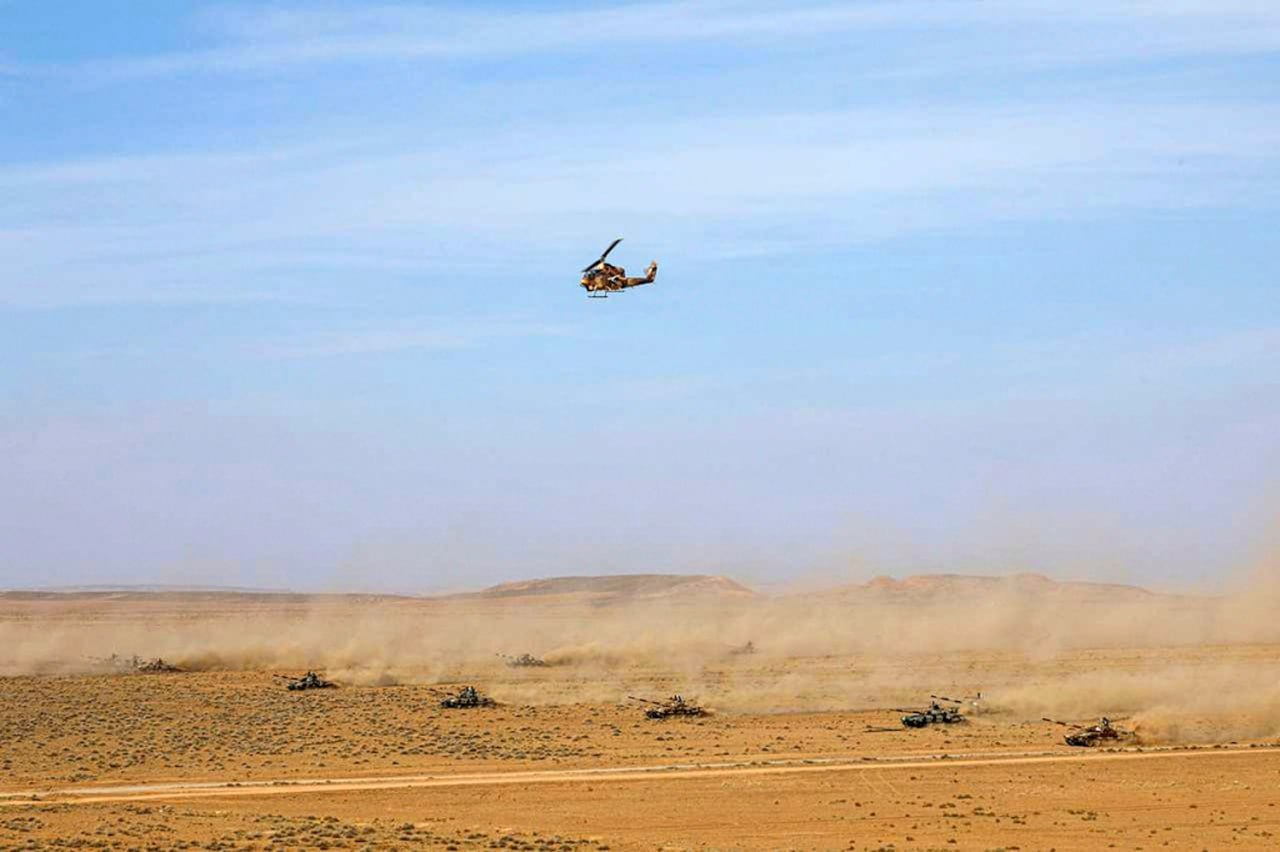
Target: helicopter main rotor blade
[{"x": 600, "y": 260}]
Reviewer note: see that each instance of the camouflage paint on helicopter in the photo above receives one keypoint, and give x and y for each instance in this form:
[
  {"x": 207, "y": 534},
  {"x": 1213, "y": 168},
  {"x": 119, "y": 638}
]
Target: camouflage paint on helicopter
[{"x": 600, "y": 279}]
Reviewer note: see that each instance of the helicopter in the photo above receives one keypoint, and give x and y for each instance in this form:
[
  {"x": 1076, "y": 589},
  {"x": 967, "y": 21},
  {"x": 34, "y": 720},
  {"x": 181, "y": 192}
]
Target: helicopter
[{"x": 600, "y": 279}]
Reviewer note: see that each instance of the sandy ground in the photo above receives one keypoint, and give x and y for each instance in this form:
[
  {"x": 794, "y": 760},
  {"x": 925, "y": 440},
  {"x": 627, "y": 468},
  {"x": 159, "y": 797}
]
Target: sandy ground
[{"x": 222, "y": 756}]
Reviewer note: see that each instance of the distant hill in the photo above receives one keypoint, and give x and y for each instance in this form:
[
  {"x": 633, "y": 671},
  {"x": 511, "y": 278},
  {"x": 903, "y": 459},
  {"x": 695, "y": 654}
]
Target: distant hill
[
  {"x": 623, "y": 586},
  {"x": 918, "y": 589},
  {"x": 923, "y": 588}
]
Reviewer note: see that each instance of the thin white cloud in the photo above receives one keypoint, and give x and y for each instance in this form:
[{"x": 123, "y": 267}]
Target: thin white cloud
[
  {"x": 711, "y": 186},
  {"x": 154, "y": 167},
  {"x": 1088, "y": 364},
  {"x": 276, "y": 39},
  {"x": 424, "y": 335}
]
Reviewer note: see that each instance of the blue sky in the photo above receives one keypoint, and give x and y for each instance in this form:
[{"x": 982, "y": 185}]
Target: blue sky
[{"x": 288, "y": 291}]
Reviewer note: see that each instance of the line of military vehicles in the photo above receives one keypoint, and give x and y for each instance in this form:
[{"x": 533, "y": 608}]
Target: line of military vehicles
[{"x": 941, "y": 710}]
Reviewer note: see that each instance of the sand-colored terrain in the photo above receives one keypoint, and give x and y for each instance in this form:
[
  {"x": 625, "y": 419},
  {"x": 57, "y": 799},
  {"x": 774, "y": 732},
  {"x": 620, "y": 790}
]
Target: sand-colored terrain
[{"x": 803, "y": 750}]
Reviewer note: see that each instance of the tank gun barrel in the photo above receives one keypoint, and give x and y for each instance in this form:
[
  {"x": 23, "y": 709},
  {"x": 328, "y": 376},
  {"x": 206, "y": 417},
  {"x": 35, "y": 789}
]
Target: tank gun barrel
[
  {"x": 645, "y": 700},
  {"x": 1063, "y": 724}
]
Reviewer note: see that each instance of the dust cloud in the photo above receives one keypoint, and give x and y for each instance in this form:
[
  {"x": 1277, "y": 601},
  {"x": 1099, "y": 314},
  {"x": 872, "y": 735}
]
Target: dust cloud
[{"x": 1182, "y": 669}]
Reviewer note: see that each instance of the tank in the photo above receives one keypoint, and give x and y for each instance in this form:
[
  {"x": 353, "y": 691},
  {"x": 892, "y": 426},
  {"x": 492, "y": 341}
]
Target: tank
[
  {"x": 524, "y": 661},
  {"x": 1095, "y": 734},
  {"x": 468, "y": 696},
  {"x": 936, "y": 714},
  {"x": 134, "y": 663},
  {"x": 676, "y": 705},
  {"x": 310, "y": 680},
  {"x": 156, "y": 665}
]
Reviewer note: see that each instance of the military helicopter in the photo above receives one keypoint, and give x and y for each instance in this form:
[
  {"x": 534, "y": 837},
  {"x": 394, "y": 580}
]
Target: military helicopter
[
  {"x": 600, "y": 278},
  {"x": 1083, "y": 737}
]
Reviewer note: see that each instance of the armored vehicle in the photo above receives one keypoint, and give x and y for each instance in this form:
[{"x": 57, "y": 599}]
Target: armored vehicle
[
  {"x": 749, "y": 648},
  {"x": 673, "y": 706},
  {"x": 524, "y": 661},
  {"x": 310, "y": 680},
  {"x": 135, "y": 663},
  {"x": 156, "y": 665},
  {"x": 468, "y": 696},
  {"x": 935, "y": 714},
  {"x": 1083, "y": 737}
]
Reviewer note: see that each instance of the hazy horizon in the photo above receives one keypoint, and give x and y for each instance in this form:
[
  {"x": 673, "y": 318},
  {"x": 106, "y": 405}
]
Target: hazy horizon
[
  {"x": 1238, "y": 583},
  {"x": 288, "y": 291}
]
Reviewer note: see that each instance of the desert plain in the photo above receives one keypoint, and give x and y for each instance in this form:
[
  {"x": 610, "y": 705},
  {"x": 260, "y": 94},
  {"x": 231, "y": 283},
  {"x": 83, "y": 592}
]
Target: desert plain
[{"x": 803, "y": 747}]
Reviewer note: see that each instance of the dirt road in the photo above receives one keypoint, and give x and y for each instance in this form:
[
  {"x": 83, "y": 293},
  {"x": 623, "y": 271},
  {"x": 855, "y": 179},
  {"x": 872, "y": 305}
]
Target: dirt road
[
  {"x": 1174, "y": 799},
  {"x": 668, "y": 772}
]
